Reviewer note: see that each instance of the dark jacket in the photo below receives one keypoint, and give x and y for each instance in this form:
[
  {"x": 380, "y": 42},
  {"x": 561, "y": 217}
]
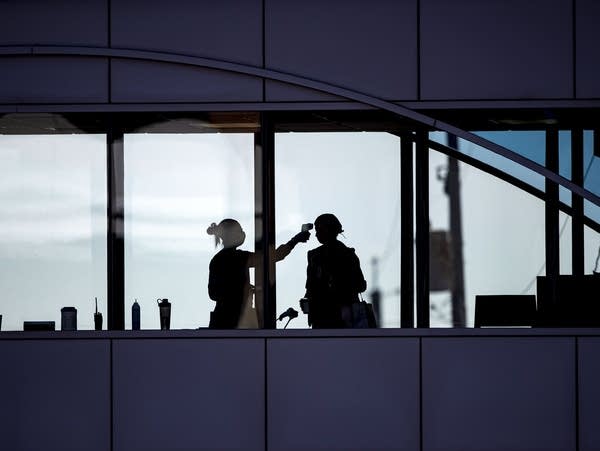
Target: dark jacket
[
  {"x": 333, "y": 280},
  {"x": 229, "y": 286}
]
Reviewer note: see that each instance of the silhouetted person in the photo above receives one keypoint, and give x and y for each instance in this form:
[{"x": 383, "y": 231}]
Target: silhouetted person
[
  {"x": 333, "y": 277},
  {"x": 228, "y": 279}
]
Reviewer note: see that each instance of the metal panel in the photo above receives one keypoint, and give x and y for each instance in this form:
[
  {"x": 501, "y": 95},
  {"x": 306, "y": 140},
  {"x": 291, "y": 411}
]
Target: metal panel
[
  {"x": 188, "y": 394},
  {"x": 500, "y": 49},
  {"x": 589, "y": 393},
  {"x": 587, "y": 38},
  {"x": 59, "y": 22},
  {"x": 276, "y": 90},
  {"x": 144, "y": 81},
  {"x": 55, "y": 395},
  {"x": 343, "y": 394},
  {"x": 229, "y": 30},
  {"x": 43, "y": 79},
  {"x": 371, "y": 49},
  {"x": 498, "y": 394}
]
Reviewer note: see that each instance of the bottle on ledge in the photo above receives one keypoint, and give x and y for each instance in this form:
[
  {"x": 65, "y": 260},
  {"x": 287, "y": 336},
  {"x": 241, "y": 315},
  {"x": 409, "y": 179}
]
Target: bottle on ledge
[{"x": 135, "y": 316}]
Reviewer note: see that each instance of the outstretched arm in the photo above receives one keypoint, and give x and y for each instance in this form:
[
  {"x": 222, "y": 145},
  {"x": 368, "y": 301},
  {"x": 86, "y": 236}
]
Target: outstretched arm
[{"x": 282, "y": 251}]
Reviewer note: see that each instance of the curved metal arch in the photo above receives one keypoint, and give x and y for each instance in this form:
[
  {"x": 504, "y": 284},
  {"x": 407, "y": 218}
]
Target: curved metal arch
[{"x": 328, "y": 88}]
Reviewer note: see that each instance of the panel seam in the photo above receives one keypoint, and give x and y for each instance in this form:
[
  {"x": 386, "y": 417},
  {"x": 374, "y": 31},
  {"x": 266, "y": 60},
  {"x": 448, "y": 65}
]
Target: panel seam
[
  {"x": 577, "y": 393},
  {"x": 266, "y": 388}
]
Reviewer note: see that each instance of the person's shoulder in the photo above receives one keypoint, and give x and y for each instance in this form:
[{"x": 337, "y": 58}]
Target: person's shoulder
[
  {"x": 341, "y": 247},
  {"x": 243, "y": 255},
  {"x": 316, "y": 252},
  {"x": 216, "y": 259}
]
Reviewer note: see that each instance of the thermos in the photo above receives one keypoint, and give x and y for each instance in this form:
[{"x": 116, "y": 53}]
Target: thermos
[
  {"x": 68, "y": 318},
  {"x": 164, "y": 307},
  {"x": 97, "y": 318},
  {"x": 135, "y": 316}
]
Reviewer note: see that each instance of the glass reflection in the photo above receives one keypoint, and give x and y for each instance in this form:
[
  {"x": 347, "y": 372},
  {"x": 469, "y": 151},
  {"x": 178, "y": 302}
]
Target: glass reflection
[
  {"x": 52, "y": 227},
  {"x": 530, "y": 144},
  {"x": 502, "y": 235}
]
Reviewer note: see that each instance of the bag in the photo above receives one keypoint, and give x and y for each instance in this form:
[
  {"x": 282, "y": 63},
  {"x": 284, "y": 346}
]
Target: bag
[
  {"x": 248, "y": 316},
  {"x": 363, "y": 316},
  {"x": 359, "y": 315}
]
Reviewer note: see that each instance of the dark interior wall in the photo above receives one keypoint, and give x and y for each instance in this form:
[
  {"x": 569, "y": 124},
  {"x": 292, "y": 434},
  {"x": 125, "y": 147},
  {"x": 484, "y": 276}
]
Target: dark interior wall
[{"x": 402, "y": 50}]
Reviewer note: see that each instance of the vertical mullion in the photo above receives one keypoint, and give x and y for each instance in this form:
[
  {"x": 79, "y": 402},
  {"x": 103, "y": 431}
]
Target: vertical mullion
[
  {"x": 115, "y": 242},
  {"x": 577, "y": 247},
  {"x": 407, "y": 264},
  {"x": 264, "y": 196},
  {"x": 458, "y": 283},
  {"x": 552, "y": 219},
  {"x": 422, "y": 223}
]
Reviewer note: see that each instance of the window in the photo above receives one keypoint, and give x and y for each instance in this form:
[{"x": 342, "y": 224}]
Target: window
[
  {"x": 355, "y": 176},
  {"x": 176, "y": 185},
  {"x": 502, "y": 232},
  {"x": 52, "y": 222}
]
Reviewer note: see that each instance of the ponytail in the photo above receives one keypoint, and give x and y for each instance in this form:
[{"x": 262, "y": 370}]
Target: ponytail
[{"x": 213, "y": 229}]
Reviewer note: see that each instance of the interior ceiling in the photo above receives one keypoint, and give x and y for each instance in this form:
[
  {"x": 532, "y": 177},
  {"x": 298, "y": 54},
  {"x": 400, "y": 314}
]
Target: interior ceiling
[{"x": 296, "y": 121}]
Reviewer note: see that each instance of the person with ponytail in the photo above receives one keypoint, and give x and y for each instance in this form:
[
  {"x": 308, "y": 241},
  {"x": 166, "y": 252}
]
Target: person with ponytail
[
  {"x": 228, "y": 278},
  {"x": 333, "y": 276}
]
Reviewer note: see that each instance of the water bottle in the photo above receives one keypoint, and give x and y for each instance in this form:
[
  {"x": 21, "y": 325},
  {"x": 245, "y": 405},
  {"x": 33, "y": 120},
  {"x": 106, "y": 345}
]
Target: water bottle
[
  {"x": 165, "y": 313},
  {"x": 135, "y": 316}
]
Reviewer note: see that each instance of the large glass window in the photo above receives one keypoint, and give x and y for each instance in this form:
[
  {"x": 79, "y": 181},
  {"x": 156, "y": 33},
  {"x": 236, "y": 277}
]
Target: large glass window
[
  {"x": 502, "y": 248},
  {"x": 356, "y": 177},
  {"x": 52, "y": 226},
  {"x": 181, "y": 174},
  {"x": 176, "y": 185}
]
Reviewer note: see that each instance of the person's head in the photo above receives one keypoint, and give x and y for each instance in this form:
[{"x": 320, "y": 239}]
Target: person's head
[
  {"x": 327, "y": 228},
  {"x": 229, "y": 232}
]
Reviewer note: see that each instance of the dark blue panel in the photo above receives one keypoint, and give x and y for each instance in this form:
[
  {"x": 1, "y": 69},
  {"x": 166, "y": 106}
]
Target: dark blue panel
[
  {"x": 488, "y": 394},
  {"x": 229, "y": 30},
  {"x": 343, "y": 394},
  {"x": 276, "y": 91},
  {"x": 368, "y": 48},
  {"x": 496, "y": 49},
  {"x": 589, "y": 394},
  {"x": 57, "y": 22},
  {"x": 55, "y": 395},
  {"x": 44, "y": 79},
  {"x": 187, "y": 394},
  {"x": 588, "y": 57},
  {"x": 143, "y": 81}
]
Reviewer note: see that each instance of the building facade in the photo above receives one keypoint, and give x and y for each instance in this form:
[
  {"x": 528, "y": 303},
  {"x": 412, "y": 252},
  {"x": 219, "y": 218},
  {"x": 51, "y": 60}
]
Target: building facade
[{"x": 457, "y": 141}]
